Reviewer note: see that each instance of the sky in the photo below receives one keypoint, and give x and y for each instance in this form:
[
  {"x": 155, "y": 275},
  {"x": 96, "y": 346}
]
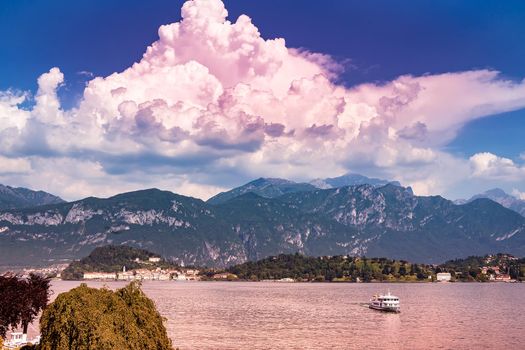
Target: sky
[{"x": 99, "y": 97}]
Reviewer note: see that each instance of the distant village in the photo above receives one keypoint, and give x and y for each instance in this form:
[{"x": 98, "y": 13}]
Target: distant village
[
  {"x": 144, "y": 274},
  {"x": 495, "y": 270},
  {"x": 491, "y": 272}
]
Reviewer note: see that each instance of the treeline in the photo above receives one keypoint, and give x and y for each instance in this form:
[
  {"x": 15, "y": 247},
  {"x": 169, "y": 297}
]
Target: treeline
[
  {"x": 361, "y": 269},
  {"x": 112, "y": 259},
  {"x": 332, "y": 269}
]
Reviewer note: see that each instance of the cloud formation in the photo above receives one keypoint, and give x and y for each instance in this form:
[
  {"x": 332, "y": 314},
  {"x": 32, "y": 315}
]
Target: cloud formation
[
  {"x": 488, "y": 165},
  {"x": 212, "y": 102}
]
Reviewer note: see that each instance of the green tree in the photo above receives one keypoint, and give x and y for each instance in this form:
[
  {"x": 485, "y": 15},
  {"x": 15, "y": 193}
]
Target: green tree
[
  {"x": 99, "y": 319},
  {"x": 21, "y": 300}
]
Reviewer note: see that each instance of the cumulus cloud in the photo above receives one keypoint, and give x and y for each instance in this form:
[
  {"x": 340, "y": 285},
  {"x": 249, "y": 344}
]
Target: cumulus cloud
[
  {"x": 212, "y": 102},
  {"x": 489, "y": 165}
]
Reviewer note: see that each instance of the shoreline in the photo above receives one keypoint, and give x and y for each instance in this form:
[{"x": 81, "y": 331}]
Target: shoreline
[{"x": 294, "y": 282}]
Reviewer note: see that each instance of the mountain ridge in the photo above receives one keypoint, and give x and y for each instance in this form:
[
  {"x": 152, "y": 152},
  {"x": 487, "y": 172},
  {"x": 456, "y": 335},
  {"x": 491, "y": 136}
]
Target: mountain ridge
[
  {"x": 275, "y": 187},
  {"x": 387, "y": 221},
  {"x": 500, "y": 196},
  {"x": 20, "y": 197}
]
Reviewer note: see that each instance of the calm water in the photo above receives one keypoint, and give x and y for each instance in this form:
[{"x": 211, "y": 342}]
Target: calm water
[{"x": 236, "y": 315}]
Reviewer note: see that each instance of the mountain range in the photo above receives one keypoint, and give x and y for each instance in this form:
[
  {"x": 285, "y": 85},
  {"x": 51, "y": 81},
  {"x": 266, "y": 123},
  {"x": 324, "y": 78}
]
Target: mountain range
[
  {"x": 12, "y": 198},
  {"x": 265, "y": 217},
  {"x": 272, "y": 187},
  {"x": 350, "y": 180},
  {"x": 501, "y": 197}
]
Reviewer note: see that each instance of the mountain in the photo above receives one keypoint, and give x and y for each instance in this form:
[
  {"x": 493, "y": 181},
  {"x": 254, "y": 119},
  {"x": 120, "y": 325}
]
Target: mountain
[
  {"x": 14, "y": 198},
  {"x": 386, "y": 221},
  {"x": 394, "y": 223},
  {"x": 503, "y": 198},
  {"x": 350, "y": 180},
  {"x": 273, "y": 188},
  {"x": 264, "y": 187},
  {"x": 180, "y": 228}
]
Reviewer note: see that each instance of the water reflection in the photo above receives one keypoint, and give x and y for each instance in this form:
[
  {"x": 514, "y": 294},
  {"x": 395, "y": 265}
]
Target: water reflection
[{"x": 219, "y": 315}]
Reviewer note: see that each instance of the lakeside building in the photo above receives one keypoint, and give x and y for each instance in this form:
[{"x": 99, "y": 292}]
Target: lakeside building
[
  {"x": 286, "y": 280},
  {"x": 503, "y": 278},
  {"x": 126, "y": 276},
  {"x": 192, "y": 275},
  {"x": 100, "y": 276},
  {"x": 487, "y": 270},
  {"x": 224, "y": 276},
  {"x": 443, "y": 277},
  {"x": 145, "y": 275}
]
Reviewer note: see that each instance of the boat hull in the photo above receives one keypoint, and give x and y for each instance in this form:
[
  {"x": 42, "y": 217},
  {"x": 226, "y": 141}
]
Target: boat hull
[{"x": 385, "y": 309}]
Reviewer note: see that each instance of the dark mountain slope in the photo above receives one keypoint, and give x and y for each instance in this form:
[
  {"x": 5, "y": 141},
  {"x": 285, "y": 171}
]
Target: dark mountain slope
[
  {"x": 366, "y": 220},
  {"x": 264, "y": 187},
  {"x": 15, "y": 198}
]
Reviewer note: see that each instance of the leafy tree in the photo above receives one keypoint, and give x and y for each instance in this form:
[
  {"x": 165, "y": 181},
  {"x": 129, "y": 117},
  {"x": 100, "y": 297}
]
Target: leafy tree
[
  {"x": 99, "y": 319},
  {"x": 9, "y": 303},
  {"x": 35, "y": 298},
  {"x": 21, "y": 300}
]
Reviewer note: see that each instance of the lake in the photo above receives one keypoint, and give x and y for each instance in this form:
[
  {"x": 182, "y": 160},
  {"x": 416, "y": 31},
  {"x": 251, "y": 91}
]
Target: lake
[{"x": 266, "y": 315}]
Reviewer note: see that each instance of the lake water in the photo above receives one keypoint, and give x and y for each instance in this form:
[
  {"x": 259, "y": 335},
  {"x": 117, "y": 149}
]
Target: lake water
[{"x": 237, "y": 315}]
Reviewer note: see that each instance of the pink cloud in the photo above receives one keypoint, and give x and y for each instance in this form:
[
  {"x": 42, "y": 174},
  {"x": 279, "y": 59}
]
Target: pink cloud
[{"x": 214, "y": 90}]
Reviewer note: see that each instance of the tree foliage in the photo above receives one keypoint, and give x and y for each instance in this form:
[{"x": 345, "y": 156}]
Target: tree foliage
[
  {"x": 99, "y": 319},
  {"x": 21, "y": 300},
  {"x": 347, "y": 268},
  {"x": 336, "y": 268}
]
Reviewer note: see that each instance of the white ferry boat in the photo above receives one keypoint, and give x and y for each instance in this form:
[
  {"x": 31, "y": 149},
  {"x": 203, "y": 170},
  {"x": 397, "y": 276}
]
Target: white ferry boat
[{"x": 387, "y": 302}]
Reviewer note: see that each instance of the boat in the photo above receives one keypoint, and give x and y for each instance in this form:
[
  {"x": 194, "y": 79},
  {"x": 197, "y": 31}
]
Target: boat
[{"x": 385, "y": 302}]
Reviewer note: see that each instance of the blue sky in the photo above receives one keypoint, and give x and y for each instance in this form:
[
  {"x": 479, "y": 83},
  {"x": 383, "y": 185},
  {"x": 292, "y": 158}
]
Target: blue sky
[{"x": 375, "y": 42}]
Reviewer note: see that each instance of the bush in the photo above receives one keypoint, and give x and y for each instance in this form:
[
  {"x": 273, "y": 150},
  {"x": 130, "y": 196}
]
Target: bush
[{"x": 100, "y": 319}]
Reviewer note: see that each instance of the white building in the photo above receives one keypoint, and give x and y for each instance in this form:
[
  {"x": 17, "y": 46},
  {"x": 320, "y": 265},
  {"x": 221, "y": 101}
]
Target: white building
[
  {"x": 100, "y": 275},
  {"x": 154, "y": 259},
  {"x": 179, "y": 276},
  {"x": 443, "y": 277},
  {"x": 126, "y": 276}
]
